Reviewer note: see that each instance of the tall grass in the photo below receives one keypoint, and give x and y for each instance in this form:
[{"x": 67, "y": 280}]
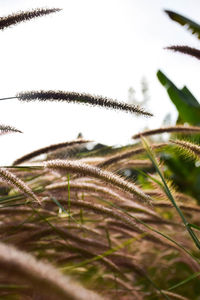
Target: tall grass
[{"x": 100, "y": 224}]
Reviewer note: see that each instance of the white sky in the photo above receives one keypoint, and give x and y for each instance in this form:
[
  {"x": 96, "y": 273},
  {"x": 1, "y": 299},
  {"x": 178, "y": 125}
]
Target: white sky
[{"x": 94, "y": 46}]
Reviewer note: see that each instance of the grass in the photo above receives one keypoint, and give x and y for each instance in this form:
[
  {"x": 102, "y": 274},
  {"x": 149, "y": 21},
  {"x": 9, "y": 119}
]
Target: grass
[
  {"x": 79, "y": 228},
  {"x": 85, "y": 222}
]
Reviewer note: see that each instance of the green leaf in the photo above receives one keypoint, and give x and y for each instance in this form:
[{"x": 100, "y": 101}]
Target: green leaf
[
  {"x": 186, "y": 104},
  {"x": 192, "y": 26},
  {"x": 194, "y": 226}
]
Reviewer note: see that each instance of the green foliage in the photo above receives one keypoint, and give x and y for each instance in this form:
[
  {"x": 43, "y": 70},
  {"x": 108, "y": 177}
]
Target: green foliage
[
  {"x": 187, "y": 105},
  {"x": 192, "y": 26},
  {"x": 180, "y": 164}
]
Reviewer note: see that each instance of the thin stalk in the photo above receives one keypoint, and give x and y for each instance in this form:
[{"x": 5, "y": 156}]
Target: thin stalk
[
  {"x": 108, "y": 237},
  {"x": 8, "y": 98},
  {"x": 68, "y": 200},
  {"x": 81, "y": 216},
  {"x": 193, "y": 276}
]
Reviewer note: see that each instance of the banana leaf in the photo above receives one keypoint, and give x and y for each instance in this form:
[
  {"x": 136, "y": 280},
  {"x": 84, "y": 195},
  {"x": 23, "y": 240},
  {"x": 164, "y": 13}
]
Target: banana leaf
[
  {"x": 187, "y": 105},
  {"x": 192, "y": 26}
]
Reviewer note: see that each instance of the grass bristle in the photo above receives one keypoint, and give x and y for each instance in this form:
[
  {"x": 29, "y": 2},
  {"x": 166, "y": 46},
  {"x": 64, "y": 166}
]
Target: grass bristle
[
  {"x": 190, "y": 149},
  {"x": 48, "y": 149},
  {"x": 108, "y": 177},
  {"x": 4, "y": 129},
  {"x": 126, "y": 154},
  {"x": 185, "y": 50},
  {"x": 43, "y": 278},
  {"x": 10, "y": 178}
]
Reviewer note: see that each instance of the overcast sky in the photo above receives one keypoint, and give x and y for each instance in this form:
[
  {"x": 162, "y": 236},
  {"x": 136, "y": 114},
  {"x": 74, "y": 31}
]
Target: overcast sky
[{"x": 101, "y": 47}]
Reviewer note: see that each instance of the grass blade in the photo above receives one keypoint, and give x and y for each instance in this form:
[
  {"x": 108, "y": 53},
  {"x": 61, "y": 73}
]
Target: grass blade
[{"x": 168, "y": 193}]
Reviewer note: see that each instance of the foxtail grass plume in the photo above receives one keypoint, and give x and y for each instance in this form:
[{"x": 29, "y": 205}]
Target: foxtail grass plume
[
  {"x": 44, "y": 279},
  {"x": 98, "y": 189},
  {"x": 177, "y": 129},
  {"x": 124, "y": 285},
  {"x": 4, "y": 129},
  {"x": 16, "y": 182},
  {"x": 188, "y": 146},
  {"x": 48, "y": 149},
  {"x": 108, "y": 177},
  {"x": 186, "y": 207},
  {"x": 25, "y": 16},
  {"x": 81, "y": 98},
  {"x": 186, "y": 50},
  {"x": 125, "y": 220}
]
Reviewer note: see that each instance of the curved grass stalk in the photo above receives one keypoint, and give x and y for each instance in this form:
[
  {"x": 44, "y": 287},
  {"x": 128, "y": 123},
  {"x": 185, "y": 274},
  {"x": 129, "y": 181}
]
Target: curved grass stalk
[
  {"x": 194, "y": 260},
  {"x": 118, "y": 257},
  {"x": 170, "y": 196},
  {"x": 88, "y": 252},
  {"x": 178, "y": 129},
  {"x": 127, "y": 287},
  {"x": 48, "y": 149},
  {"x": 92, "y": 160},
  {"x": 108, "y": 177},
  {"x": 42, "y": 277},
  {"x": 126, "y": 219},
  {"x": 188, "y": 146},
  {"x": 136, "y": 268},
  {"x": 132, "y": 163},
  {"x": 186, "y": 207},
  {"x": 174, "y": 295},
  {"x": 35, "y": 232},
  {"x": 125, "y": 154},
  {"x": 127, "y": 230},
  {"x": 66, "y": 234},
  {"x": 156, "y": 193},
  {"x": 156, "y": 220},
  {"x": 25, "y": 16},
  {"x": 82, "y": 249},
  {"x": 13, "y": 180},
  {"x": 134, "y": 222},
  {"x": 94, "y": 188},
  {"x": 105, "y": 211},
  {"x": 15, "y": 212},
  {"x": 80, "y": 98},
  {"x": 113, "y": 251}
]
